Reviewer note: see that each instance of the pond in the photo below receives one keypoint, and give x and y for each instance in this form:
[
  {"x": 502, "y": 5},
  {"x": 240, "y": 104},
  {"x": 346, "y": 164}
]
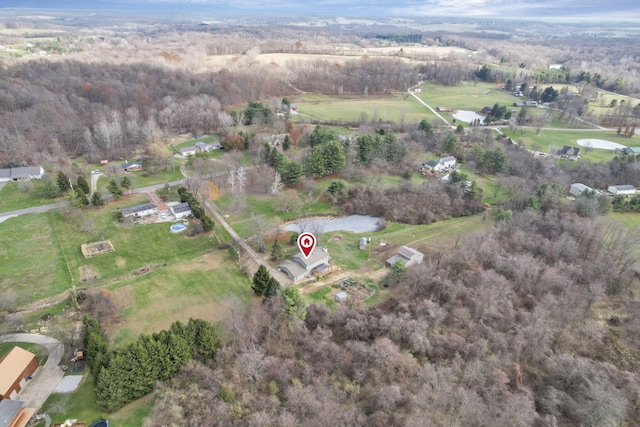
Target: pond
[
  {"x": 467, "y": 116},
  {"x": 353, "y": 223}
]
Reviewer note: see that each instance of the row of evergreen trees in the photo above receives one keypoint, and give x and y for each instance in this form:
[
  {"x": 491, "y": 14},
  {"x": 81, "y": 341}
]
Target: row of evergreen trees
[
  {"x": 125, "y": 374},
  {"x": 197, "y": 210}
]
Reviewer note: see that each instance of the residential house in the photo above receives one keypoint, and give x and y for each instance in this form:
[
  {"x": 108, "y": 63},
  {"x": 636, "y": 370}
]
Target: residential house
[
  {"x": 15, "y": 369},
  {"x": 407, "y": 255},
  {"x": 622, "y": 190},
  {"x": 577, "y": 189},
  {"x": 444, "y": 109},
  {"x": 140, "y": 211},
  {"x": 300, "y": 267},
  {"x": 25, "y": 173},
  {"x": 571, "y": 153},
  {"x": 275, "y": 140},
  {"x": 189, "y": 151},
  {"x": 181, "y": 210},
  {"x": 206, "y": 147},
  {"x": 487, "y": 110},
  {"x": 131, "y": 166},
  {"x": 14, "y": 414},
  {"x": 444, "y": 164}
]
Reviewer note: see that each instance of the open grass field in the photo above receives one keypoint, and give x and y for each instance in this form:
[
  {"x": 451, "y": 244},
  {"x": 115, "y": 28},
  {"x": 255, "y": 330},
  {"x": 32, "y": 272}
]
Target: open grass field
[
  {"x": 547, "y": 141},
  {"x": 42, "y": 354},
  {"x": 81, "y": 405},
  {"x": 139, "y": 179},
  {"x": 31, "y": 262},
  {"x": 370, "y": 108},
  {"x": 466, "y": 96},
  {"x": 205, "y": 287},
  {"x": 40, "y": 254},
  {"x": 13, "y": 196}
]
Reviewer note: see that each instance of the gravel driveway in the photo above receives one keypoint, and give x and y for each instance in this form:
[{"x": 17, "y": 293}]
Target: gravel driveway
[{"x": 47, "y": 377}]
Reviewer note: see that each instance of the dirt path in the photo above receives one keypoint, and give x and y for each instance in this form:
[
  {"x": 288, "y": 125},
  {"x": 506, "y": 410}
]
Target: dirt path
[
  {"x": 47, "y": 376},
  {"x": 428, "y": 106}
]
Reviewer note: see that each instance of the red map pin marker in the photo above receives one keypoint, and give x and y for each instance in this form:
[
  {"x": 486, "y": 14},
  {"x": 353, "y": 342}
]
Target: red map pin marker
[{"x": 306, "y": 243}]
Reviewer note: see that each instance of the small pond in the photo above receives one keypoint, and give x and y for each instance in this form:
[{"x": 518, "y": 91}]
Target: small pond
[
  {"x": 467, "y": 116},
  {"x": 353, "y": 223}
]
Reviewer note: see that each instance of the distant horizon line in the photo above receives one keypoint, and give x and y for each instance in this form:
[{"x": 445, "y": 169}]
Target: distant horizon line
[{"x": 173, "y": 8}]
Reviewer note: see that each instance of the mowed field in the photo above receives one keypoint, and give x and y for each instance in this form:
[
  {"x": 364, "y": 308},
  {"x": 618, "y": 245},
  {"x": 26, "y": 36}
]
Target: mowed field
[
  {"x": 207, "y": 287},
  {"x": 466, "y": 96},
  {"x": 40, "y": 254},
  {"x": 362, "y": 109}
]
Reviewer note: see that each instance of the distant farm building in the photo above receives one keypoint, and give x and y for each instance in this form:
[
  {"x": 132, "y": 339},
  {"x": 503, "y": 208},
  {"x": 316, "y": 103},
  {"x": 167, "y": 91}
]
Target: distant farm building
[
  {"x": 140, "y": 211},
  {"x": 26, "y": 173},
  {"x": 15, "y": 369},
  {"x": 622, "y": 190},
  {"x": 406, "y": 255},
  {"x": 577, "y": 189},
  {"x": 341, "y": 296}
]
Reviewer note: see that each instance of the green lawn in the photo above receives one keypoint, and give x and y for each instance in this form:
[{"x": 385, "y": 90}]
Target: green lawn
[
  {"x": 40, "y": 254},
  {"x": 466, "y": 96},
  {"x": 42, "y": 354},
  {"x": 13, "y": 196},
  {"x": 81, "y": 405},
  {"x": 206, "y": 287},
  {"x": 373, "y": 108},
  {"x": 138, "y": 179},
  {"x": 319, "y": 296},
  {"x": 547, "y": 141}
]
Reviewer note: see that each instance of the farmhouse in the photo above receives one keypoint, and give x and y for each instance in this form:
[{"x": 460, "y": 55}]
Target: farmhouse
[
  {"x": 622, "y": 190},
  {"x": 14, "y": 414},
  {"x": 577, "y": 189},
  {"x": 628, "y": 150},
  {"x": 407, "y": 255},
  {"x": 189, "y": 151},
  {"x": 181, "y": 210},
  {"x": 275, "y": 140},
  {"x": 571, "y": 153},
  {"x": 487, "y": 110},
  {"x": 131, "y": 166},
  {"x": 300, "y": 267},
  {"x": 205, "y": 147},
  {"x": 140, "y": 211},
  {"x": 444, "y": 164},
  {"x": 26, "y": 173},
  {"x": 15, "y": 368}
]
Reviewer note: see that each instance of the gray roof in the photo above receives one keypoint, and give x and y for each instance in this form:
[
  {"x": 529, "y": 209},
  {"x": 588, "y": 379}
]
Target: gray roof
[
  {"x": 408, "y": 252},
  {"x": 448, "y": 159},
  {"x": 580, "y": 186},
  {"x": 139, "y": 208},
  {"x": 624, "y": 187},
  {"x": 8, "y": 410},
  {"x": 293, "y": 267},
  {"x": 317, "y": 255},
  {"x": 180, "y": 208},
  {"x": 25, "y": 172}
]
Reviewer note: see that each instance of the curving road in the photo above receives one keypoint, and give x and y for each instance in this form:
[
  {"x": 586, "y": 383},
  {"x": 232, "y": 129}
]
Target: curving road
[{"x": 47, "y": 377}]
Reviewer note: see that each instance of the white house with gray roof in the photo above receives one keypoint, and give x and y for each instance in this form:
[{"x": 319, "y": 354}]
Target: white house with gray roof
[
  {"x": 622, "y": 190},
  {"x": 140, "y": 211},
  {"x": 406, "y": 255},
  {"x": 300, "y": 267},
  {"x": 181, "y": 210},
  {"x": 25, "y": 173}
]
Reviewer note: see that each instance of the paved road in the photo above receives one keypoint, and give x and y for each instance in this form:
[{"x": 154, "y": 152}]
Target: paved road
[{"x": 47, "y": 377}]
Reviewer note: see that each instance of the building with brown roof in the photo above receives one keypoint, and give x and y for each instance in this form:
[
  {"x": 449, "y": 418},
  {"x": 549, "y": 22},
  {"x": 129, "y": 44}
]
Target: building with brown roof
[
  {"x": 15, "y": 369},
  {"x": 14, "y": 414}
]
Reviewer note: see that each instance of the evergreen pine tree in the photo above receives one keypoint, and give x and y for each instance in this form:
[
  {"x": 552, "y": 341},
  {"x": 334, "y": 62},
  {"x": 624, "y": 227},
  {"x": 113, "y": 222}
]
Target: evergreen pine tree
[
  {"x": 273, "y": 287},
  {"x": 63, "y": 182},
  {"x": 286, "y": 143},
  {"x": 260, "y": 280},
  {"x": 51, "y": 189},
  {"x": 114, "y": 189},
  {"x": 83, "y": 185},
  {"x": 97, "y": 200}
]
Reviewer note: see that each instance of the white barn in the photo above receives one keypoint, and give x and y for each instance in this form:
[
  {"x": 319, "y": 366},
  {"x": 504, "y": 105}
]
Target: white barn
[{"x": 622, "y": 190}]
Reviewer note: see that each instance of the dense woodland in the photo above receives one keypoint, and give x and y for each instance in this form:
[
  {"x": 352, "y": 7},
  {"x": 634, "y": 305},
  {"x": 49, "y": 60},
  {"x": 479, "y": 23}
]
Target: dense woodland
[{"x": 497, "y": 331}]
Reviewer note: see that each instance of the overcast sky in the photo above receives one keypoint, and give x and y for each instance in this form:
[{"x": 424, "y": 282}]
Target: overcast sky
[{"x": 575, "y": 9}]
